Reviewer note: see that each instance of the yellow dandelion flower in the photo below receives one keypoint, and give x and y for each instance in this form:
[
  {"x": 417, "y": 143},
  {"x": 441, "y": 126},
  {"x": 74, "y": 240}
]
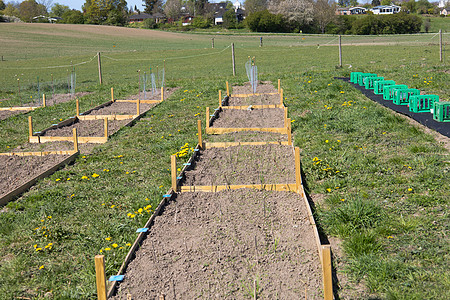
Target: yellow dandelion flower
[
  {"x": 108, "y": 238},
  {"x": 49, "y": 217},
  {"x": 112, "y": 206},
  {"x": 107, "y": 249},
  {"x": 128, "y": 244},
  {"x": 409, "y": 189},
  {"x": 115, "y": 245},
  {"x": 57, "y": 179},
  {"x": 38, "y": 249},
  {"x": 84, "y": 177},
  {"x": 41, "y": 267},
  {"x": 329, "y": 190},
  {"x": 95, "y": 175}
]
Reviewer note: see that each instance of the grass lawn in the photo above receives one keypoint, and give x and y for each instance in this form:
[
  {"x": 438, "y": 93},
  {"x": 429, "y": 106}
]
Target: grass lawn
[{"x": 381, "y": 185}]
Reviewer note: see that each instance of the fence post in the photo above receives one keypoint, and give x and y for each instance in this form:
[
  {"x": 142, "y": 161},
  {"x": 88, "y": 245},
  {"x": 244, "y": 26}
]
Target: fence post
[
  {"x": 99, "y": 68},
  {"x": 212, "y": 43},
  {"x": 326, "y": 271},
  {"x": 440, "y": 45},
  {"x": 260, "y": 42},
  {"x": 233, "y": 60},
  {"x": 340, "y": 52},
  {"x": 100, "y": 276}
]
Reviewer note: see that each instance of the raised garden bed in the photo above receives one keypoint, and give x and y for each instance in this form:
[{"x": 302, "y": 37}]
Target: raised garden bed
[
  {"x": 121, "y": 108},
  {"x": 257, "y": 100},
  {"x": 90, "y": 128},
  {"x": 226, "y": 245},
  {"x": 246, "y": 136},
  {"x": 256, "y": 118},
  {"x": 262, "y": 88},
  {"x": 242, "y": 165}
]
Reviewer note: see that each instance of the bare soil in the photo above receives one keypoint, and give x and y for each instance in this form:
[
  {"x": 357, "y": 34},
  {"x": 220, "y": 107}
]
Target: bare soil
[
  {"x": 266, "y": 164},
  {"x": 4, "y": 114},
  {"x": 122, "y": 108},
  {"x": 247, "y": 136},
  {"x": 256, "y": 118},
  {"x": 254, "y": 100},
  {"x": 19, "y": 170},
  {"x": 87, "y": 128},
  {"x": 155, "y": 96},
  {"x": 54, "y": 146},
  {"x": 218, "y": 245},
  {"x": 262, "y": 87}
]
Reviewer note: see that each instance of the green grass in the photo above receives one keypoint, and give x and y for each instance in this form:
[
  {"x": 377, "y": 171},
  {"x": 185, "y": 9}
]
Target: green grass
[{"x": 359, "y": 156}]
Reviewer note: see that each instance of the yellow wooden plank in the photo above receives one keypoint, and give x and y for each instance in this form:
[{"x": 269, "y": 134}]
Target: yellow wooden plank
[
  {"x": 142, "y": 101},
  {"x": 212, "y": 130},
  {"x": 248, "y": 95},
  {"x": 258, "y": 106},
  {"x": 100, "y": 277},
  {"x": 173, "y": 170},
  {"x": 199, "y": 133},
  {"x": 109, "y": 117},
  {"x": 298, "y": 179},
  {"x": 218, "y": 188},
  {"x": 232, "y": 144},
  {"x": 327, "y": 275},
  {"x": 18, "y": 108}
]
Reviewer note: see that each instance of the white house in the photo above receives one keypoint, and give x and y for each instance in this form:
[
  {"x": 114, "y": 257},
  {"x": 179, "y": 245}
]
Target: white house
[{"x": 386, "y": 9}]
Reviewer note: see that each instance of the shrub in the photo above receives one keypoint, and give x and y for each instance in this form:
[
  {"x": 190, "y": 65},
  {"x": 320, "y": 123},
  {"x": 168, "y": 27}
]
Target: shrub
[
  {"x": 201, "y": 22},
  {"x": 149, "y": 24},
  {"x": 73, "y": 17},
  {"x": 264, "y": 21},
  {"x": 387, "y": 24}
]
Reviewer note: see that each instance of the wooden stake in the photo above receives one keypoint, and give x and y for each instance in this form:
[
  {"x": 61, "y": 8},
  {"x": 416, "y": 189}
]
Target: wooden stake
[
  {"x": 173, "y": 165},
  {"x": 105, "y": 125},
  {"x": 254, "y": 289},
  {"x": 212, "y": 43},
  {"x": 162, "y": 297},
  {"x": 285, "y": 117},
  {"x": 100, "y": 276},
  {"x": 75, "y": 140},
  {"x": 340, "y": 52},
  {"x": 298, "y": 179},
  {"x": 199, "y": 128},
  {"x": 138, "y": 107},
  {"x": 30, "y": 128},
  {"x": 43, "y": 100},
  {"x": 279, "y": 86},
  {"x": 162, "y": 93},
  {"x": 78, "y": 107},
  {"x": 289, "y": 131},
  {"x": 326, "y": 270},
  {"x": 281, "y": 96},
  {"x": 207, "y": 118},
  {"x": 228, "y": 89},
  {"x": 440, "y": 45},
  {"x": 112, "y": 94},
  {"x": 129, "y": 297},
  {"x": 99, "y": 69},
  {"x": 233, "y": 60},
  {"x": 220, "y": 98}
]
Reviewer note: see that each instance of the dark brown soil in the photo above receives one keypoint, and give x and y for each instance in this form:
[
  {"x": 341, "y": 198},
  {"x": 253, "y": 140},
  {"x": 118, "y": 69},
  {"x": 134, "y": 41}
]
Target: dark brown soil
[
  {"x": 87, "y": 128},
  {"x": 254, "y": 100},
  {"x": 122, "y": 108},
  {"x": 256, "y": 118},
  {"x": 216, "y": 245},
  {"x": 266, "y": 164},
  {"x": 247, "y": 136},
  {"x": 262, "y": 87},
  {"x": 19, "y": 170}
]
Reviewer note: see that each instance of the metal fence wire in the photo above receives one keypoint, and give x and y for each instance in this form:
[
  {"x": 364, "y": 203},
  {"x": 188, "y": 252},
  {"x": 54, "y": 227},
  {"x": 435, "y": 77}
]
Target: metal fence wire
[
  {"x": 252, "y": 73},
  {"x": 150, "y": 84}
]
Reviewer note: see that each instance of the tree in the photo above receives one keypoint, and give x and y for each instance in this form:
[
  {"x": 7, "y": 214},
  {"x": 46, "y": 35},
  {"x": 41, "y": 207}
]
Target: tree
[
  {"x": 423, "y": 6},
  {"x": 29, "y": 9},
  {"x": 2, "y": 5},
  {"x": 58, "y": 10},
  {"x": 344, "y": 3},
  {"x": 11, "y": 10},
  {"x": 294, "y": 11},
  {"x": 264, "y": 21},
  {"x": 324, "y": 13},
  {"x": 48, "y": 4},
  {"x": 152, "y": 6},
  {"x": 172, "y": 9},
  {"x": 229, "y": 19},
  {"x": 105, "y": 11},
  {"x": 354, "y": 3},
  {"x": 252, "y": 6},
  {"x": 376, "y": 3},
  {"x": 73, "y": 17},
  {"x": 386, "y": 2}
]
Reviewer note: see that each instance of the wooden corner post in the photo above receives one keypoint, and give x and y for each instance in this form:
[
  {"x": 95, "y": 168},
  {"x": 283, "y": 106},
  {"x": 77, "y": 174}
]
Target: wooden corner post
[
  {"x": 138, "y": 106},
  {"x": 30, "y": 128},
  {"x": 207, "y": 118},
  {"x": 281, "y": 96},
  {"x": 279, "y": 86},
  {"x": 199, "y": 128},
  {"x": 78, "y": 107},
  {"x": 228, "y": 89},
  {"x": 298, "y": 179},
  {"x": 285, "y": 118},
  {"x": 162, "y": 93},
  {"x": 112, "y": 94},
  {"x": 100, "y": 276},
  {"x": 173, "y": 167},
  {"x": 43, "y": 100},
  {"x": 220, "y": 98},
  {"x": 105, "y": 125},
  {"x": 75, "y": 140},
  {"x": 289, "y": 132},
  {"x": 326, "y": 271}
]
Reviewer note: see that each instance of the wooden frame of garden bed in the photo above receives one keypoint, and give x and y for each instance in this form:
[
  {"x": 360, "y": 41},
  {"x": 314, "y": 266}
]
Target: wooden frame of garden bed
[
  {"x": 280, "y": 91},
  {"x": 224, "y": 103},
  {"x": 221, "y": 130},
  {"x": 24, "y": 187},
  {"x": 24, "y": 108},
  {"x": 142, "y": 101}
]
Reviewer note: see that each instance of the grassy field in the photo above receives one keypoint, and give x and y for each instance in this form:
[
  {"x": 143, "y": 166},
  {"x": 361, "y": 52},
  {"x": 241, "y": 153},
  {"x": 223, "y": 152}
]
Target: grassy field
[{"x": 381, "y": 185}]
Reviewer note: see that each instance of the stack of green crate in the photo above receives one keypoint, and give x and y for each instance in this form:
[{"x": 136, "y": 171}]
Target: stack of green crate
[
  {"x": 354, "y": 77},
  {"x": 388, "y": 90},
  {"x": 401, "y": 96},
  {"x": 441, "y": 111},
  {"x": 378, "y": 86},
  {"x": 363, "y": 77},
  {"x": 422, "y": 103}
]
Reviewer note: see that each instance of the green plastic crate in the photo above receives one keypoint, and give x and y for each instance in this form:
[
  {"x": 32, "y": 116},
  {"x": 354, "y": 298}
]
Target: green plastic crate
[
  {"x": 370, "y": 82},
  {"x": 363, "y": 77},
  {"x": 422, "y": 103},
  {"x": 388, "y": 90},
  {"x": 378, "y": 86},
  {"x": 354, "y": 77},
  {"x": 441, "y": 111},
  {"x": 401, "y": 96}
]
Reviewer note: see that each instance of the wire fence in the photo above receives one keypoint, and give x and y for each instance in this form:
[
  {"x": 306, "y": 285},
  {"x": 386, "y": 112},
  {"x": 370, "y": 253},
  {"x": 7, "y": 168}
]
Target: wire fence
[
  {"x": 151, "y": 84},
  {"x": 252, "y": 73}
]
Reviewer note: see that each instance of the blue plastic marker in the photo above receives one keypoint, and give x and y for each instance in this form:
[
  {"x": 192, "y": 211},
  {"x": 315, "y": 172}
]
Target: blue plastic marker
[
  {"x": 142, "y": 230},
  {"x": 167, "y": 196},
  {"x": 179, "y": 177},
  {"x": 116, "y": 278},
  {"x": 187, "y": 164}
]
